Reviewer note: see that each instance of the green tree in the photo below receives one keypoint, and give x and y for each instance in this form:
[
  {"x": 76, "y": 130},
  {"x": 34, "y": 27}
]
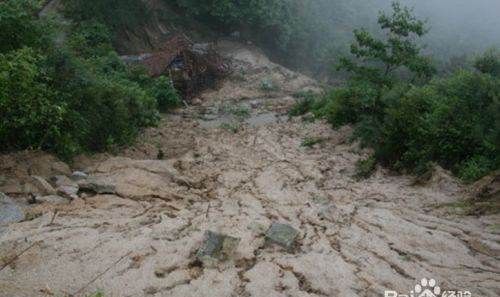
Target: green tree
[
  {"x": 489, "y": 62},
  {"x": 378, "y": 60}
]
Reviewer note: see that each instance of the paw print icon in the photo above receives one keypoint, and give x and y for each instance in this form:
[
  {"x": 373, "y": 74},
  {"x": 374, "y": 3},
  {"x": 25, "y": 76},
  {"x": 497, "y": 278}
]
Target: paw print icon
[{"x": 427, "y": 288}]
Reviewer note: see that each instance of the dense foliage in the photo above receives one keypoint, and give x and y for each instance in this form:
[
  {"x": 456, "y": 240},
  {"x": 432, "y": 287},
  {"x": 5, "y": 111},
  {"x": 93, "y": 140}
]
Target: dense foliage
[
  {"x": 73, "y": 95},
  {"x": 116, "y": 14},
  {"x": 410, "y": 122}
]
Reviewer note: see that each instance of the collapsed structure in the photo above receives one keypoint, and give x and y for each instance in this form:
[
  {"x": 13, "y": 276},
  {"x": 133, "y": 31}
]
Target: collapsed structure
[{"x": 192, "y": 67}]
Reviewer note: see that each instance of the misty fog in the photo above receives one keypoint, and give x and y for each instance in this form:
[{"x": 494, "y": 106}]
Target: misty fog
[{"x": 457, "y": 27}]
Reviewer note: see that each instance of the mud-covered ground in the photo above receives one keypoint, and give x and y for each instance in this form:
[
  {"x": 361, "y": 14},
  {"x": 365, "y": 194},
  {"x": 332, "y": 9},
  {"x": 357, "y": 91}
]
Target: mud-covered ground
[{"x": 235, "y": 164}]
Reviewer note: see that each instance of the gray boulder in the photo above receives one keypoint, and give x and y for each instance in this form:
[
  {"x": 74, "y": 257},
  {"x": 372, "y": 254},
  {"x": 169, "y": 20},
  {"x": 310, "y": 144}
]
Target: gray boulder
[
  {"x": 78, "y": 176},
  {"x": 216, "y": 247},
  {"x": 282, "y": 235},
  {"x": 10, "y": 212},
  {"x": 65, "y": 186},
  {"x": 96, "y": 186},
  {"x": 62, "y": 180}
]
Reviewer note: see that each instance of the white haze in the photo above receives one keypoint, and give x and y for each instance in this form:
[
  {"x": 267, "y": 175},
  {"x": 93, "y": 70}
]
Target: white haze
[{"x": 456, "y": 26}]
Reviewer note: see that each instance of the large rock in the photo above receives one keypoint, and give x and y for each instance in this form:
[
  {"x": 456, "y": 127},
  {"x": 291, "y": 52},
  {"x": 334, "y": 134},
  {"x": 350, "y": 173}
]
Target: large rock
[
  {"x": 136, "y": 179},
  {"x": 283, "y": 235},
  {"x": 78, "y": 176},
  {"x": 216, "y": 247},
  {"x": 97, "y": 186},
  {"x": 42, "y": 186},
  {"x": 65, "y": 186},
  {"x": 10, "y": 212}
]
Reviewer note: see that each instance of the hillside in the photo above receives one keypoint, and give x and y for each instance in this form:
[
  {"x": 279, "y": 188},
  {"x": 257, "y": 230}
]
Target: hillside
[
  {"x": 234, "y": 163},
  {"x": 180, "y": 148}
]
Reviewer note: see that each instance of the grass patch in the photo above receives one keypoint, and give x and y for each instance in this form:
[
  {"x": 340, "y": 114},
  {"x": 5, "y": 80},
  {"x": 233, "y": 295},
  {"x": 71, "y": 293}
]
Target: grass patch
[
  {"x": 470, "y": 208},
  {"x": 365, "y": 168},
  {"x": 231, "y": 127},
  {"x": 304, "y": 103},
  {"x": 269, "y": 85},
  {"x": 239, "y": 111},
  {"x": 312, "y": 141}
]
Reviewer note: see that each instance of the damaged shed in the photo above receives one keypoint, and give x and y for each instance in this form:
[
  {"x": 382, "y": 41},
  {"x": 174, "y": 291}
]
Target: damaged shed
[{"x": 192, "y": 67}]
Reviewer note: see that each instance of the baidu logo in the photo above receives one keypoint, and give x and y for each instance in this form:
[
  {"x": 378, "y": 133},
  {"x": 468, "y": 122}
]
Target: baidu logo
[{"x": 428, "y": 288}]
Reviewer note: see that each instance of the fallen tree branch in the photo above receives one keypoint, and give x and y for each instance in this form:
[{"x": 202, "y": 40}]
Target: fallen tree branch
[
  {"x": 101, "y": 274},
  {"x": 18, "y": 255}
]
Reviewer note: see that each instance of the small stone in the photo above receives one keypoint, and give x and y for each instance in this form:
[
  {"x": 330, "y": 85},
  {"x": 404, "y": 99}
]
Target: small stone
[
  {"x": 53, "y": 199},
  {"x": 283, "y": 235},
  {"x": 97, "y": 186},
  {"x": 78, "y": 176},
  {"x": 255, "y": 104},
  {"x": 43, "y": 187},
  {"x": 10, "y": 212},
  {"x": 197, "y": 101},
  {"x": 62, "y": 180},
  {"x": 70, "y": 192},
  {"x": 162, "y": 272},
  {"x": 150, "y": 290},
  {"x": 216, "y": 247}
]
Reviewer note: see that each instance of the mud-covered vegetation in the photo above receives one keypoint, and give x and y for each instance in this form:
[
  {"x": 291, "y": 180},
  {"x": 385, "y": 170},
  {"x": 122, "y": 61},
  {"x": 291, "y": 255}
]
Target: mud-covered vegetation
[
  {"x": 64, "y": 89},
  {"x": 410, "y": 117}
]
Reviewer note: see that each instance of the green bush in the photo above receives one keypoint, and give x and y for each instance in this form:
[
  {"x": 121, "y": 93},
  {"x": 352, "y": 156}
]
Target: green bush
[
  {"x": 411, "y": 124},
  {"x": 165, "y": 94},
  {"x": 115, "y": 14},
  {"x": 71, "y": 97},
  {"x": 90, "y": 39},
  {"x": 451, "y": 121},
  {"x": 108, "y": 109},
  {"x": 365, "y": 168},
  {"x": 489, "y": 62},
  {"x": 31, "y": 112},
  {"x": 304, "y": 103},
  {"x": 309, "y": 142},
  {"x": 19, "y": 28}
]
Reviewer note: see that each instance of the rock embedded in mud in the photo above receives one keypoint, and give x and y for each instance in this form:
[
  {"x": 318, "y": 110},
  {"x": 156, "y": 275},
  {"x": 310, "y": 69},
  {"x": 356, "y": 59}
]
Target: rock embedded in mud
[
  {"x": 78, "y": 176},
  {"x": 96, "y": 186},
  {"x": 216, "y": 247},
  {"x": 42, "y": 186},
  {"x": 70, "y": 192},
  {"x": 61, "y": 180},
  {"x": 283, "y": 235},
  {"x": 53, "y": 199},
  {"x": 10, "y": 212},
  {"x": 65, "y": 186}
]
